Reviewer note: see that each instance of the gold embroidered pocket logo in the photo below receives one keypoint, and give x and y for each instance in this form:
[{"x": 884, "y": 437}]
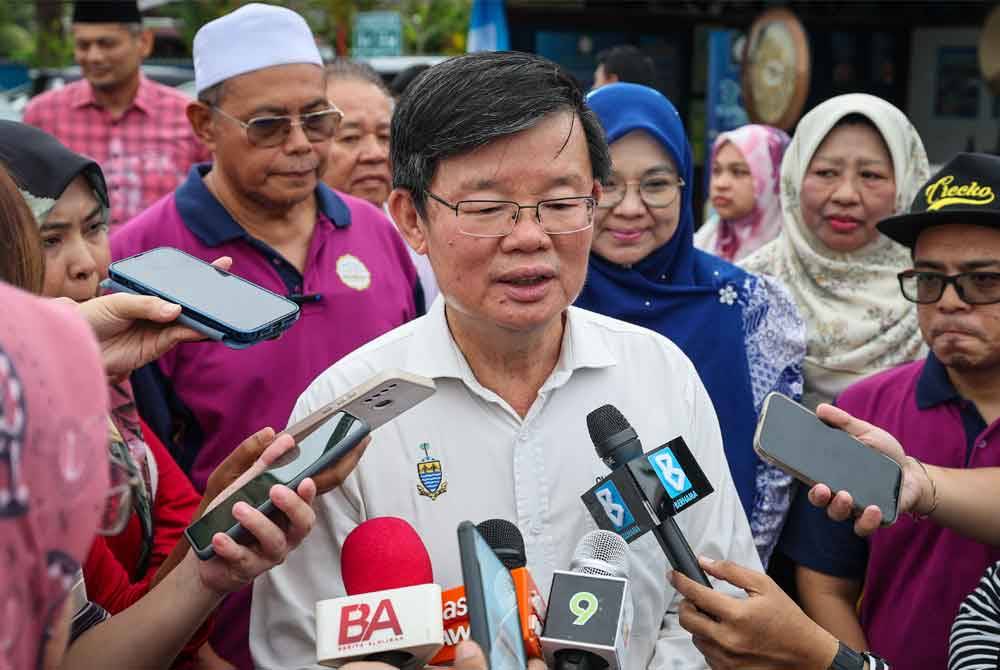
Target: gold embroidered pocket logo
[{"x": 943, "y": 194}]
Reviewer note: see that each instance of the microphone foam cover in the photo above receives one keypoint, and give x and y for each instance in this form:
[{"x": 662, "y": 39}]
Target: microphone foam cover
[
  {"x": 506, "y": 541},
  {"x": 601, "y": 552},
  {"x": 604, "y": 422},
  {"x": 384, "y": 553}
]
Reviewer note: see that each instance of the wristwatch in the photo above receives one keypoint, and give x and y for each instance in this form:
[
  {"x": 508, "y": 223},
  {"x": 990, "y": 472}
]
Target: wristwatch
[{"x": 848, "y": 659}]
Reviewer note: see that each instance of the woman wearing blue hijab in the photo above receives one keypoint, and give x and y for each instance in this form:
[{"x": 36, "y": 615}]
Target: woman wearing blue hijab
[{"x": 742, "y": 331}]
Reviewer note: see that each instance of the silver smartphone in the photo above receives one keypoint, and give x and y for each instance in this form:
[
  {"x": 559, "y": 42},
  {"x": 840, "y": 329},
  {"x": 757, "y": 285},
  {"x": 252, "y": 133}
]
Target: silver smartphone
[
  {"x": 321, "y": 439},
  {"x": 792, "y": 438}
]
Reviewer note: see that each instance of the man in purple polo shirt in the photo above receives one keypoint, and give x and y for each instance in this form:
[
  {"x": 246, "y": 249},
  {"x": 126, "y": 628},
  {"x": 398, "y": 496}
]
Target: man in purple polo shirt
[
  {"x": 262, "y": 110},
  {"x": 913, "y": 575}
]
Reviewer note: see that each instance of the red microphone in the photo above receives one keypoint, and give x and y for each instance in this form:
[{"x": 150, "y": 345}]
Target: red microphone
[
  {"x": 392, "y": 611},
  {"x": 506, "y": 541}
]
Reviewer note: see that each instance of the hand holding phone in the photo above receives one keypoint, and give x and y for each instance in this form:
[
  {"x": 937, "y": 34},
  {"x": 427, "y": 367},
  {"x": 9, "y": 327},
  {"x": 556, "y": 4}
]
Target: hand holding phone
[
  {"x": 494, "y": 623},
  {"x": 322, "y": 448},
  {"x": 792, "y": 438}
]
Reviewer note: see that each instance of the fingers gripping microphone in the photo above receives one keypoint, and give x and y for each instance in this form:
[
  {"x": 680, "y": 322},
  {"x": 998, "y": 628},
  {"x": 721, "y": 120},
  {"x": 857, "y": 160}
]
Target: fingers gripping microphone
[
  {"x": 590, "y": 607},
  {"x": 392, "y": 611},
  {"x": 645, "y": 490}
]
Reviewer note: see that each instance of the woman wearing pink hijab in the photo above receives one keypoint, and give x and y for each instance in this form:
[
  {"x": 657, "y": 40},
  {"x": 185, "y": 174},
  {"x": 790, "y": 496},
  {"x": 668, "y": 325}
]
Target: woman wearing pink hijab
[
  {"x": 744, "y": 192},
  {"x": 53, "y": 470}
]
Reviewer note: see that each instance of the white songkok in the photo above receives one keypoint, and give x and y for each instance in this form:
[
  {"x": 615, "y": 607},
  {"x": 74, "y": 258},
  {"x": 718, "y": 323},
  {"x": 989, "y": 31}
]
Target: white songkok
[{"x": 253, "y": 37}]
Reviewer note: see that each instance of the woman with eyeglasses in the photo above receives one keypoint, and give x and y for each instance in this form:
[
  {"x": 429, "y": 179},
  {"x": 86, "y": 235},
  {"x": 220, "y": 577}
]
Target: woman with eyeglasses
[
  {"x": 742, "y": 332},
  {"x": 853, "y": 161},
  {"x": 744, "y": 189}
]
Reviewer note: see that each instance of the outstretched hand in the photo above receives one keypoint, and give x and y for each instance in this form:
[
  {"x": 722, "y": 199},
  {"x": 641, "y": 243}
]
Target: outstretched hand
[{"x": 914, "y": 493}]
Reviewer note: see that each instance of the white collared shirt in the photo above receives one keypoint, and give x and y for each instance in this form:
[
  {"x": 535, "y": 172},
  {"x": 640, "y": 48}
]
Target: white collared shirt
[{"x": 531, "y": 471}]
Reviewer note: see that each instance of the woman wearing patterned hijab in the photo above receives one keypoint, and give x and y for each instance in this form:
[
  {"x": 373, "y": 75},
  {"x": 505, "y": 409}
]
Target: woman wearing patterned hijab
[
  {"x": 746, "y": 166},
  {"x": 742, "y": 332},
  {"x": 854, "y": 160},
  {"x": 53, "y": 470}
]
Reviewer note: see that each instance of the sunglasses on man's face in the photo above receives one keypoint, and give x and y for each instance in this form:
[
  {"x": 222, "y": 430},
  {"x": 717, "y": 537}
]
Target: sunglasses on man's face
[{"x": 271, "y": 131}]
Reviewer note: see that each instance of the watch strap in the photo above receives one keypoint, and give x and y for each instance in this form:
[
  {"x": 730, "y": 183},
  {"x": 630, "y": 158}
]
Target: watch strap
[{"x": 847, "y": 659}]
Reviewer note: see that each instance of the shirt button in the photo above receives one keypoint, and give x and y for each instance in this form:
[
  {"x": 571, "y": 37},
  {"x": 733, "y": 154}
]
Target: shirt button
[
  {"x": 523, "y": 437},
  {"x": 536, "y": 529},
  {"x": 648, "y": 303}
]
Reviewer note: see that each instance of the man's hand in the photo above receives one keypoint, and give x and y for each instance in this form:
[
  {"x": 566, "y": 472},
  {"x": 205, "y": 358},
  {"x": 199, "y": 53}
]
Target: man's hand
[
  {"x": 468, "y": 656},
  {"x": 764, "y": 631},
  {"x": 134, "y": 330},
  {"x": 915, "y": 493},
  {"x": 245, "y": 455},
  {"x": 236, "y": 565}
]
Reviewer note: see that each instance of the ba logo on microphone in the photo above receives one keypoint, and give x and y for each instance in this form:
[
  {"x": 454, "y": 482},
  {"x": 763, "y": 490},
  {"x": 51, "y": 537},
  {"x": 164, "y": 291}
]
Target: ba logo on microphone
[
  {"x": 670, "y": 472},
  {"x": 614, "y": 506},
  {"x": 358, "y": 623}
]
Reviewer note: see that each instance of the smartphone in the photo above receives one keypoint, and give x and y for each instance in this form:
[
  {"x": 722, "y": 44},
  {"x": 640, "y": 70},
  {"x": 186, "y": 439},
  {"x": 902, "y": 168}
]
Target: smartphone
[
  {"x": 372, "y": 403},
  {"x": 378, "y": 401},
  {"x": 322, "y": 448},
  {"x": 492, "y": 602},
  {"x": 792, "y": 438},
  {"x": 221, "y": 305}
]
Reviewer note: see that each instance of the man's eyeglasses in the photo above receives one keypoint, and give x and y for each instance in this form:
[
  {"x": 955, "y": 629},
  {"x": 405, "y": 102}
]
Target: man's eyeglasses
[
  {"x": 655, "y": 191},
  {"x": 497, "y": 218},
  {"x": 271, "y": 131},
  {"x": 974, "y": 288}
]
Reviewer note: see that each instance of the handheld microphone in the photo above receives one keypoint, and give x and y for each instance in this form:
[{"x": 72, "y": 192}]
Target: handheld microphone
[
  {"x": 590, "y": 607},
  {"x": 507, "y": 543},
  {"x": 392, "y": 611},
  {"x": 645, "y": 490}
]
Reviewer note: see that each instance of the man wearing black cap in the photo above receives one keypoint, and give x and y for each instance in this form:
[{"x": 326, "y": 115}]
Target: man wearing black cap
[
  {"x": 944, "y": 409},
  {"x": 136, "y": 129}
]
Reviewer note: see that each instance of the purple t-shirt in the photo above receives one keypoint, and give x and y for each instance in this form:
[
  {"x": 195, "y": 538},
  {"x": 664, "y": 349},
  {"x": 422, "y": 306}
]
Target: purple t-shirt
[
  {"x": 358, "y": 283},
  {"x": 916, "y": 573}
]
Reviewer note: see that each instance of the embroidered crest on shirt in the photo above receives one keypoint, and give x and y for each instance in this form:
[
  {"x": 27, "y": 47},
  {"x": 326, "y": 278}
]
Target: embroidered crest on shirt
[
  {"x": 430, "y": 474},
  {"x": 353, "y": 272}
]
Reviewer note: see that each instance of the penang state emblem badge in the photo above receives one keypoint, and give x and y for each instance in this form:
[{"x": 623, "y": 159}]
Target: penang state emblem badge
[{"x": 432, "y": 482}]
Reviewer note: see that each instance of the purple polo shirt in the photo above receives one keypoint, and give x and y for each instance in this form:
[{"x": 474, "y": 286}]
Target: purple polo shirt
[
  {"x": 358, "y": 283},
  {"x": 915, "y": 573}
]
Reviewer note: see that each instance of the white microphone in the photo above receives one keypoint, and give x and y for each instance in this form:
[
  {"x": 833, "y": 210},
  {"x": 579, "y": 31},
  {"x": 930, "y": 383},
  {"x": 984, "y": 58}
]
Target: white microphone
[
  {"x": 392, "y": 612},
  {"x": 590, "y": 607}
]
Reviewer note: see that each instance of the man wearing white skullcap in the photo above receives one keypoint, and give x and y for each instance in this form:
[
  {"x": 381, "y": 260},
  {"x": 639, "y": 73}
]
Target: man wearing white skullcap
[{"x": 262, "y": 110}]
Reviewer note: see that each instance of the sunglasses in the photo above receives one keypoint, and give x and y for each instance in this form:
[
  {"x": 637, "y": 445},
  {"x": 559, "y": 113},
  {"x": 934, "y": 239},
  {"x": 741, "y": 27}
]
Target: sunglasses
[{"x": 272, "y": 131}]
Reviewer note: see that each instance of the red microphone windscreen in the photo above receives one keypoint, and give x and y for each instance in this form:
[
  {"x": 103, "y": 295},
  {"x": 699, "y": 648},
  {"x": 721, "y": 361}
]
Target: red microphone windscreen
[{"x": 384, "y": 553}]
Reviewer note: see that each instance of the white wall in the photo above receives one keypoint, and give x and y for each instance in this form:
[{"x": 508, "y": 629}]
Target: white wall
[{"x": 944, "y": 137}]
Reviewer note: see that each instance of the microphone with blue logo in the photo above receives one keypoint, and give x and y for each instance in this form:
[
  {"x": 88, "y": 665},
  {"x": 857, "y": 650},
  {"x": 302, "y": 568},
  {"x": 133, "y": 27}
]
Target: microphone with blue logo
[{"x": 645, "y": 490}]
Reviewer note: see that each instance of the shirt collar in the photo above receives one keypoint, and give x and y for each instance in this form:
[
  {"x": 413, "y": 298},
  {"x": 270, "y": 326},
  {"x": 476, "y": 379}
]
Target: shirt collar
[
  {"x": 437, "y": 355},
  {"x": 205, "y": 216},
  {"x": 934, "y": 387}
]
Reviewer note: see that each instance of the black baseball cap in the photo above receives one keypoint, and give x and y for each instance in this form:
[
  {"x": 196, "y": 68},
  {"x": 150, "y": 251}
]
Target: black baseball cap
[
  {"x": 965, "y": 190},
  {"x": 106, "y": 11}
]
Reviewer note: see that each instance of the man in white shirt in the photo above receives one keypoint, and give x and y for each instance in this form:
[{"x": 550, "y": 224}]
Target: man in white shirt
[{"x": 517, "y": 369}]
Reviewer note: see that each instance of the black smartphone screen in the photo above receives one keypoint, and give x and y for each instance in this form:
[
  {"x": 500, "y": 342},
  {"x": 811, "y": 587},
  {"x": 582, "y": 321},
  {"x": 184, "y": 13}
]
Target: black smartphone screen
[
  {"x": 814, "y": 452},
  {"x": 190, "y": 282},
  {"x": 492, "y": 602},
  {"x": 290, "y": 468}
]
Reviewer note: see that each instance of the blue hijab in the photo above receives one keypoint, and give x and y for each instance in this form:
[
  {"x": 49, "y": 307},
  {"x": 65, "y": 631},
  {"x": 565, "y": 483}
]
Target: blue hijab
[{"x": 695, "y": 299}]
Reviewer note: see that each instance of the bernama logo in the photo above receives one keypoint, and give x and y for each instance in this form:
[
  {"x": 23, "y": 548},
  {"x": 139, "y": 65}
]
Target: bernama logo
[{"x": 942, "y": 194}]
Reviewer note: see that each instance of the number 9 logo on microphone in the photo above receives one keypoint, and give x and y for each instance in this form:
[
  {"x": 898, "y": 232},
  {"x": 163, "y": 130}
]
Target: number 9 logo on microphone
[{"x": 583, "y": 605}]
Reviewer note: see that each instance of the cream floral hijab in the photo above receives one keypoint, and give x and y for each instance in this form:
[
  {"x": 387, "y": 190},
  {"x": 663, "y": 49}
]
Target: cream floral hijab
[{"x": 858, "y": 322}]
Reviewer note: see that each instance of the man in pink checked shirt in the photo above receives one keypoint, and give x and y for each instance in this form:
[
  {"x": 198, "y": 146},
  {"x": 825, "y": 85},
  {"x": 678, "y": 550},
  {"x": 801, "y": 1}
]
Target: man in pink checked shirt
[{"x": 136, "y": 129}]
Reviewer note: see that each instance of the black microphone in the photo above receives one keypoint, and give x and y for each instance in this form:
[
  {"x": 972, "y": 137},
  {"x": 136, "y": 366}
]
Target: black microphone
[
  {"x": 590, "y": 607},
  {"x": 645, "y": 491}
]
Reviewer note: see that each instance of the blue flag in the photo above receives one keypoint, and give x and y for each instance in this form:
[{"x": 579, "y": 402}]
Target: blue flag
[{"x": 488, "y": 27}]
